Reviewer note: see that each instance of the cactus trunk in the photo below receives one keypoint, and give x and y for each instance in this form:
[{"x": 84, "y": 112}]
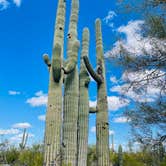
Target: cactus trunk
[
  {"x": 102, "y": 125},
  {"x": 71, "y": 92},
  {"x": 52, "y": 142},
  {"x": 83, "y": 113}
]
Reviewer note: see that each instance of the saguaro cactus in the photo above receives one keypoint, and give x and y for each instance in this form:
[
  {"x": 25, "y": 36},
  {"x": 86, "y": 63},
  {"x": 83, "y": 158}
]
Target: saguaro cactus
[
  {"x": 120, "y": 156},
  {"x": 52, "y": 142},
  {"x": 24, "y": 140},
  {"x": 102, "y": 125},
  {"x": 71, "y": 92},
  {"x": 83, "y": 112}
]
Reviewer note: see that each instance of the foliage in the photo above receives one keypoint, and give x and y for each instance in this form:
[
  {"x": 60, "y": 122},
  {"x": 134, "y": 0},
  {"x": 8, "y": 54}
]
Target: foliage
[
  {"x": 149, "y": 69},
  {"x": 33, "y": 156},
  {"x": 12, "y": 155},
  {"x": 30, "y": 157},
  {"x": 92, "y": 157}
]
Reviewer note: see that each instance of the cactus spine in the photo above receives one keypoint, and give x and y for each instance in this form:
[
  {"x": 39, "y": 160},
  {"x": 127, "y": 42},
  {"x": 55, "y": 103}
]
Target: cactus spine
[
  {"x": 52, "y": 142},
  {"x": 83, "y": 113},
  {"x": 71, "y": 92},
  {"x": 120, "y": 156},
  {"x": 102, "y": 125}
]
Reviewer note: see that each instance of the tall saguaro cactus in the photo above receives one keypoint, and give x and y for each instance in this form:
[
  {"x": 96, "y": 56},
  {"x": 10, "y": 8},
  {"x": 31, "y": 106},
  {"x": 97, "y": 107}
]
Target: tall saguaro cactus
[
  {"x": 71, "y": 92},
  {"x": 52, "y": 142},
  {"x": 83, "y": 111},
  {"x": 102, "y": 125}
]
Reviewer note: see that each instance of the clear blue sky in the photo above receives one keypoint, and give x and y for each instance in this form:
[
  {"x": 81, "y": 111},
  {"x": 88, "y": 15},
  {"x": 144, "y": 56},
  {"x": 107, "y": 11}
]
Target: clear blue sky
[{"x": 26, "y": 32}]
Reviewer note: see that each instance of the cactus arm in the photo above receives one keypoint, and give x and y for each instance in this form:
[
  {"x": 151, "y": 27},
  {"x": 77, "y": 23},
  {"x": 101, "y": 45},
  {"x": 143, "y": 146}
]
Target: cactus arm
[
  {"x": 47, "y": 60},
  {"x": 94, "y": 75},
  {"x": 22, "y": 141},
  {"x": 87, "y": 81},
  {"x": 72, "y": 61},
  {"x": 26, "y": 139},
  {"x": 92, "y": 110},
  {"x": 56, "y": 62},
  {"x": 23, "y": 137}
]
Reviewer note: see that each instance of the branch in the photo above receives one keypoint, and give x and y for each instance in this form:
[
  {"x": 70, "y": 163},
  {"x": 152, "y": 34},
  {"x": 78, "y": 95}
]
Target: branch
[{"x": 94, "y": 75}]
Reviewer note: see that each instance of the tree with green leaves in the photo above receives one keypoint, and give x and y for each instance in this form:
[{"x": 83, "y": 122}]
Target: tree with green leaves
[{"x": 145, "y": 70}]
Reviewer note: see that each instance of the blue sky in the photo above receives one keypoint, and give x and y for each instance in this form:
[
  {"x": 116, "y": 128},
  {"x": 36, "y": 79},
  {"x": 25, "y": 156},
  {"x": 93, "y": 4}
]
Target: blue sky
[{"x": 26, "y": 33}]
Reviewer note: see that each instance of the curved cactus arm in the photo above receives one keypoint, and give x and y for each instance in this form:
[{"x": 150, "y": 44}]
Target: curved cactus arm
[
  {"x": 56, "y": 62},
  {"x": 94, "y": 75},
  {"x": 47, "y": 61},
  {"x": 92, "y": 110},
  {"x": 72, "y": 61},
  {"x": 87, "y": 81}
]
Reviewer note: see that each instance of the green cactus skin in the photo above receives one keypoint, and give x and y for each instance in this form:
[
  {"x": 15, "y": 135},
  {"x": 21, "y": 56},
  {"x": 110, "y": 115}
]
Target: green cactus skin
[
  {"x": 102, "y": 125},
  {"x": 52, "y": 141},
  {"x": 120, "y": 156},
  {"x": 47, "y": 60},
  {"x": 71, "y": 92},
  {"x": 95, "y": 75},
  {"x": 92, "y": 110},
  {"x": 83, "y": 113}
]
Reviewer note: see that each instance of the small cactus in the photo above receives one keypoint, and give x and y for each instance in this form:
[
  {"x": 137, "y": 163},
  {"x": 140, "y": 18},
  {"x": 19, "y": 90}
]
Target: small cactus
[
  {"x": 23, "y": 143},
  {"x": 120, "y": 156}
]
